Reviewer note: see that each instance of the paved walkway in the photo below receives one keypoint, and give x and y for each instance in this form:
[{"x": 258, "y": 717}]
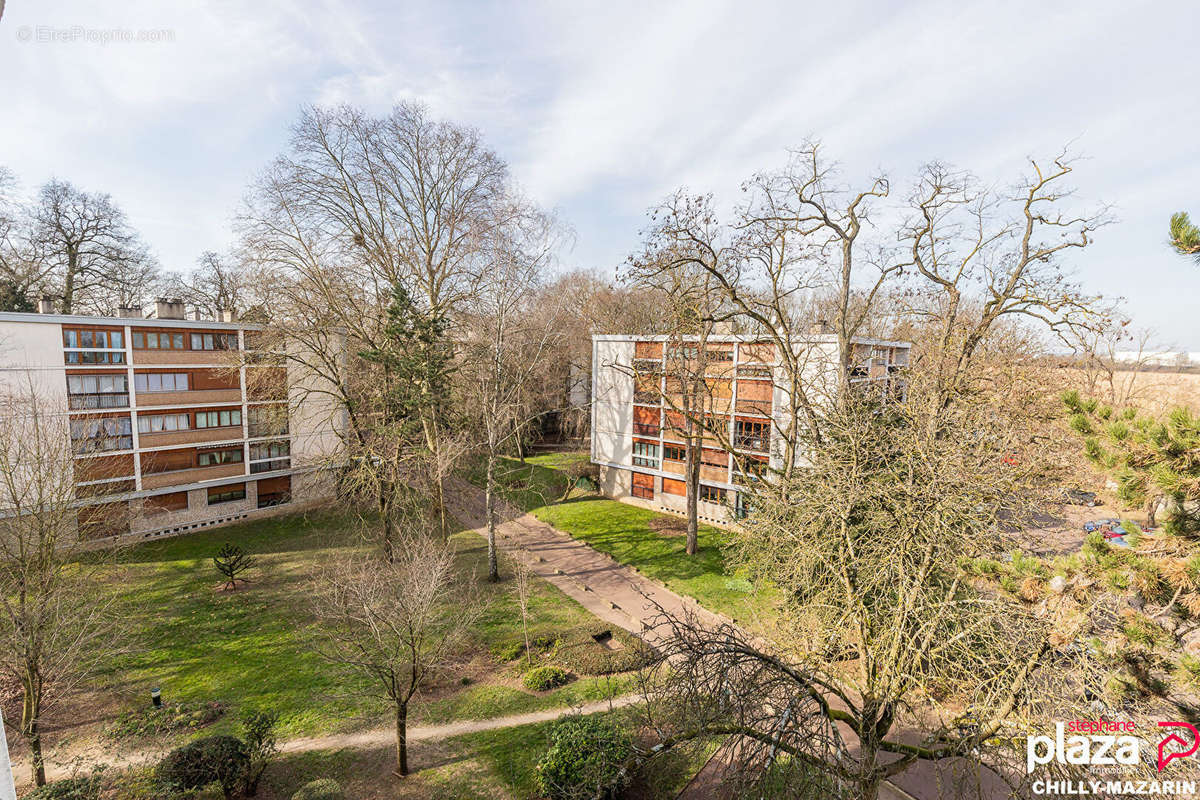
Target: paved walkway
[
  {"x": 621, "y": 595},
  {"x": 604, "y": 586},
  {"x": 64, "y": 762}
]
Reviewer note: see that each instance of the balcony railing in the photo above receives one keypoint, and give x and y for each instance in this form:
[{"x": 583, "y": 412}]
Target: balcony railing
[
  {"x": 645, "y": 429},
  {"x": 90, "y": 401},
  {"x": 760, "y": 443}
]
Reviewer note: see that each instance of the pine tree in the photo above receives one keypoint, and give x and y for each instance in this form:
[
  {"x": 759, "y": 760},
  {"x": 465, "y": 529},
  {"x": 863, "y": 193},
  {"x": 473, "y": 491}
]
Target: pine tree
[
  {"x": 1185, "y": 237},
  {"x": 1152, "y": 460}
]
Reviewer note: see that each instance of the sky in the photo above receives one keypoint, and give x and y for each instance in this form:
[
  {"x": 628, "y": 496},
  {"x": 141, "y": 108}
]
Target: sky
[{"x": 603, "y": 109}]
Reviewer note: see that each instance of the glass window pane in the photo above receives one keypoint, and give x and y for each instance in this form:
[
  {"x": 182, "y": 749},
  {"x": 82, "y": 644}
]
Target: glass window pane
[
  {"x": 182, "y": 382},
  {"x": 197, "y": 342},
  {"x": 115, "y": 339},
  {"x": 177, "y": 341}
]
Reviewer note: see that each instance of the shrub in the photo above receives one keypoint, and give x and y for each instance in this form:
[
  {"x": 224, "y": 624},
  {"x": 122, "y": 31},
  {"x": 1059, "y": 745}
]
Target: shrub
[
  {"x": 213, "y": 759},
  {"x": 152, "y": 722},
  {"x": 80, "y": 788},
  {"x": 541, "y": 679},
  {"x": 510, "y": 652},
  {"x": 320, "y": 789},
  {"x": 579, "y": 651},
  {"x": 584, "y": 759},
  {"x": 258, "y": 733}
]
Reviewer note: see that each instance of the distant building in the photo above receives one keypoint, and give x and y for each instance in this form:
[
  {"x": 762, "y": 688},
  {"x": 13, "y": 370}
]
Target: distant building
[
  {"x": 172, "y": 429},
  {"x": 1158, "y": 358},
  {"x": 636, "y": 435}
]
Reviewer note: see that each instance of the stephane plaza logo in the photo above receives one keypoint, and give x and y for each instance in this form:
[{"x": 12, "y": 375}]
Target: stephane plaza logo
[{"x": 1106, "y": 746}]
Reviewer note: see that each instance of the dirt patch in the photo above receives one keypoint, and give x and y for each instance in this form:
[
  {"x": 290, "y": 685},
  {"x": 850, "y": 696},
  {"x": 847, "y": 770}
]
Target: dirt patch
[{"x": 669, "y": 526}]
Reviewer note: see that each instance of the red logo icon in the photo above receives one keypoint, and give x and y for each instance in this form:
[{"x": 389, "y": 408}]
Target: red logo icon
[{"x": 1193, "y": 746}]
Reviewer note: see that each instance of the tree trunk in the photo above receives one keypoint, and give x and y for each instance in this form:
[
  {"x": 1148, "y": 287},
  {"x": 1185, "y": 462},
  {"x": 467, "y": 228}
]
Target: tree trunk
[
  {"x": 402, "y": 739},
  {"x": 389, "y": 527},
  {"x": 1151, "y": 511},
  {"x": 692, "y": 490},
  {"x": 490, "y": 506},
  {"x": 31, "y": 730}
]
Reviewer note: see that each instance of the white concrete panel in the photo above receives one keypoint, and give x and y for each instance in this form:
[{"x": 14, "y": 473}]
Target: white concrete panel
[
  {"x": 612, "y": 401},
  {"x": 31, "y": 356}
]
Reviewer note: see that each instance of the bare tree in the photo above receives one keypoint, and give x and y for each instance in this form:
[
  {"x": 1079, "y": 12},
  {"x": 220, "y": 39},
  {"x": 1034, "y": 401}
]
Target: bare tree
[
  {"x": 85, "y": 247},
  {"x": 886, "y": 635},
  {"x": 18, "y": 272},
  {"x": 221, "y": 283},
  {"x": 55, "y": 625},
  {"x": 522, "y": 590},
  {"x": 397, "y": 623},
  {"x": 500, "y": 357},
  {"x": 360, "y": 206}
]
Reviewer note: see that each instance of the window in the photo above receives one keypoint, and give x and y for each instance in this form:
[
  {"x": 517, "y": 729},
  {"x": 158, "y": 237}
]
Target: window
[
  {"x": 720, "y": 354},
  {"x": 714, "y": 458},
  {"x": 226, "y": 494},
  {"x": 712, "y": 494},
  {"x": 161, "y": 382},
  {"x": 97, "y": 391},
  {"x": 743, "y": 508},
  {"x": 750, "y": 469},
  {"x": 105, "y": 343},
  {"x": 269, "y": 456},
  {"x": 752, "y": 435},
  {"x": 267, "y": 420},
  {"x": 274, "y": 491},
  {"x": 214, "y": 341},
  {"x": 157, "y": 340},
  {"x": 673, "y": 452},
  {"x": 100, "y": 435},
  {"x": 98, "y": 339},
  {"x": 642, "y": 485},
  {"x": 160, "y": 423},
  {"x": 212, "y": 458},
  {"x": 263, "y": 450},
  {"x": 645, "y": 455},
  {"x": 218, "y": 419}
]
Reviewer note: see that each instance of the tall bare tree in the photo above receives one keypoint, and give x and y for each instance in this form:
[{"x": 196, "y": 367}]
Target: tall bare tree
[
  {"x": 89, "y": 254},
  {"x": 55, "y": 625},
  {"x": 358, "y": 206},
  {"x": 396, "y": 623},
  {"x": 502, "y": 352}
]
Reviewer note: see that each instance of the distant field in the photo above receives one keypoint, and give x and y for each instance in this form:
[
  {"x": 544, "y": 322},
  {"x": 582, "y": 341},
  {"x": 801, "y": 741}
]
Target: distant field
[{"x": 1154, "y": 391}]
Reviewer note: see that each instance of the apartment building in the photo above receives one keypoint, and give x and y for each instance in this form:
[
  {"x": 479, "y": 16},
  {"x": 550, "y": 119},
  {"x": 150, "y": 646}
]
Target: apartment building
[
  {"x": 636, "y": 421},
  {"x": 175, "y": 423}
]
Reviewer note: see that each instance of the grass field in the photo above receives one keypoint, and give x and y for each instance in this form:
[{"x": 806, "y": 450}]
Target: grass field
[
  {"x": 538, "y": 482},
  {"x": 623, "y": 531},
  {"x": 256, "y": 646}
]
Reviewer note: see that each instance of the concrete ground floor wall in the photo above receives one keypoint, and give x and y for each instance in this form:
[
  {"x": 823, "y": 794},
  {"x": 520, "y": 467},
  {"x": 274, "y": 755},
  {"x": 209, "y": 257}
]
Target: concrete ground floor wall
[
  {"x": 617, "y": 483},
  {"x": 308, "y": 489}
]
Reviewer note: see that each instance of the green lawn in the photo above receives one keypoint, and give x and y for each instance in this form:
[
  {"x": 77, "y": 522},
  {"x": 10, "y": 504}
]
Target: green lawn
[
  {"x": 623, "y": 531},
  {"x": 255, "y": 646},
  {"x": 536, "y": 483}
]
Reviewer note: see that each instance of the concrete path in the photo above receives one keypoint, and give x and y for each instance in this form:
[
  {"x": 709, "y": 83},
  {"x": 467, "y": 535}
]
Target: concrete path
[
  {"x": 621, "y": 595},
  {"x": 604, "y": 586},
  {"x": 64, "y": 762}
]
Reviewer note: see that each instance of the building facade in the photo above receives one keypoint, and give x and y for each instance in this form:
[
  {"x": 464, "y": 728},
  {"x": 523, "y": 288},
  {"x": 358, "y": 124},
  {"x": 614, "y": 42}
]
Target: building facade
[
  {"x": 637, "y": 422},
  {"x": 176, "y": 424}
]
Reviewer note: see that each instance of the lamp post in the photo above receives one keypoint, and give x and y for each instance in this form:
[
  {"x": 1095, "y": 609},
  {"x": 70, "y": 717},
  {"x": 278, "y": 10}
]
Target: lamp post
[{"x": 7, "y": 790}]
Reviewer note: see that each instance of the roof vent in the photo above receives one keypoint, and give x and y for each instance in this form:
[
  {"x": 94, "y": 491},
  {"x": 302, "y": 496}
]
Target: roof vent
[{"x": 131, "y": 312}]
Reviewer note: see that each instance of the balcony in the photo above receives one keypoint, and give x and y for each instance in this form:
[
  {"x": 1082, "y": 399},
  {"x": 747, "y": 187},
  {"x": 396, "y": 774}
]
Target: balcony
[
  {"x": 190, "y": 436},
  {"x": 178, "y": 477},
  {"x": 710, "y": 473},
  {"x": 644, "y": 429},
  {"x": 189, "y": 397},
  {"x": 78, "y": 402},
  {"x": 169, "y": 357},
  {"x": 756, "y": 443}
]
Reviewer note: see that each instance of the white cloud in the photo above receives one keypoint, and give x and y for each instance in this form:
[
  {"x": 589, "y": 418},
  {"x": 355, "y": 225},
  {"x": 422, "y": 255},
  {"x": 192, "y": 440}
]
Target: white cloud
[{"x": 604, "y": 108}]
